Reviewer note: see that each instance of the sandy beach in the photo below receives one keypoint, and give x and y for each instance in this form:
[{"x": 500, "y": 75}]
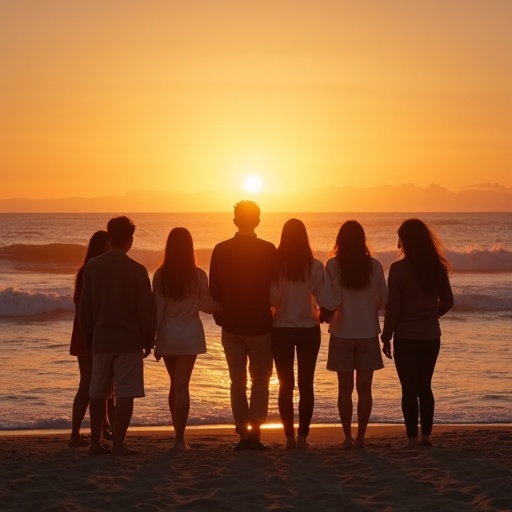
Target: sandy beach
[{"x": 469, "y": 468}]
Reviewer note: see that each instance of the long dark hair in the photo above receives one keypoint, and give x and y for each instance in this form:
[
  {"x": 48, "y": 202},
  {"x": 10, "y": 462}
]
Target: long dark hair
[
  {"x": 353, "y": 256},
  {"x": 294, "y": 252},
  {"x": 423, "y": 249},
  {"x": 178, "y": 277},
  {"x": 98, "y": 245}
]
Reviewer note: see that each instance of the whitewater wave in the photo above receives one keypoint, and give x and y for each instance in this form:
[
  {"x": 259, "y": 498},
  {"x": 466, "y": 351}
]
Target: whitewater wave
[
  {"x": 67, "y": 258},
  {"x": 18, "y": 303}
]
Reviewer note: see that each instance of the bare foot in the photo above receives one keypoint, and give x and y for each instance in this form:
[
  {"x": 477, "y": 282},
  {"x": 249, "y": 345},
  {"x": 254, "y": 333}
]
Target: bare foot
[
  {"x": 411, "y": 444},
  {"x": 302, "y": 444},
  {"x": 425, "y": 441},
  {"x": 99, "y": 449},
  {"x": 348, "y": 443},
  {"x": 359, "y": 443},
  {"x": 290, "y": 443},
  {"x": 78, "y": 442},
  {"x": 181, "y": 447},
  {"x": 123, "y": 451}
]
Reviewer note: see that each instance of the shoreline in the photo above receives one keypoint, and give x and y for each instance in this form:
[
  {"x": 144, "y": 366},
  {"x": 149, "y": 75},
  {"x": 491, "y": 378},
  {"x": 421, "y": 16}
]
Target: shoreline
[{"x": 272, "y": 429}]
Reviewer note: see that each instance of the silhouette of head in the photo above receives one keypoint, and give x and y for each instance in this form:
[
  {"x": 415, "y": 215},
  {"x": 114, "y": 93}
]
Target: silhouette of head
[
  {"x": 416, "y": 240},
  {"x": 247, "y": 215},
  {"x": 98, "y": 244},
  {"x": 120, "y": 231}
]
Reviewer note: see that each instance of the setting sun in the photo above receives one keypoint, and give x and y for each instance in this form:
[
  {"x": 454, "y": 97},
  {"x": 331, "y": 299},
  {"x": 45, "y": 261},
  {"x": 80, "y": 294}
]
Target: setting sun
[{"x": 253, "y": 184}]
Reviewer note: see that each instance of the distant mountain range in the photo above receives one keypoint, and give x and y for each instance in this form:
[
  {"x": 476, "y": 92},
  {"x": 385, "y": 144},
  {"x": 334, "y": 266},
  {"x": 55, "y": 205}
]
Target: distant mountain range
[{"x": 404, "y": 198}]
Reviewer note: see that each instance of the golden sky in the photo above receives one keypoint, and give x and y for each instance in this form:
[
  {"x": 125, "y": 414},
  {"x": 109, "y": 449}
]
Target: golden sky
[{"x": 103, "y": 97}]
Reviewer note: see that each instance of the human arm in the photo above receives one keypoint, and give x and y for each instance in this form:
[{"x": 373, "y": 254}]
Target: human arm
[
  {"x": 207, "y": 304},
  {"x": 382, "y": 288},
  {"x": 146, "y": 313},
  {"x": 445, "y": 297},
  {"x": 85, "y": 311},
  {"x": 392, "y": 306}
]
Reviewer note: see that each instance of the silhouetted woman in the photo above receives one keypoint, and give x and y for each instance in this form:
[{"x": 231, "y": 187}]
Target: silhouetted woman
[
  {"x": 419, "y": 294},
  {"x": 180, "y": 290},
  {"x": 98, "y": 244},
  {"x": 360, "y": 291},
  {"x": 296, "y": 292}
]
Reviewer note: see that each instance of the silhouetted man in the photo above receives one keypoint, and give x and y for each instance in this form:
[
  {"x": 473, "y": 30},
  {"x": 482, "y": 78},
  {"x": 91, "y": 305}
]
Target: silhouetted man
[
  {"x": 118, "y": 321},
  {"x": 241, "y": 271}
]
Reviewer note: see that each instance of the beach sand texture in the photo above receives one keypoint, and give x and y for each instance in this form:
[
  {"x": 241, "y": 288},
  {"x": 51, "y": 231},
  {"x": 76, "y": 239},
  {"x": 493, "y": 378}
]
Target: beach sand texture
[{"x": 470, "y": 468}]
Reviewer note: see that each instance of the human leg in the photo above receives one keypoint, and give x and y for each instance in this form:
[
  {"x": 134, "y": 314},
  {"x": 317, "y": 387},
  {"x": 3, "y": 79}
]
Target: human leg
[
  {"x": 124, "y": 412},
  {"x": 426, "y": 366},
  {"x": 128, "y": 372},
  {"x": 235, "y": 352},
  {"x": 308, "y": 346},
  {"x": 81, "y": 401},
  {"x": 406, "y": 363},
  {"x": 170, "y": 365},
  {"x": 97, "y": 409},
  {"x": 283, "y": 350},
  {"x": 364, "y": 380},
  {"x": 108, "y": 423},
  {"x": 345, "y": 407},
  {"x": 99, "y": 390},
  {"x": 181, "y": 381},
  {"x": 259, "y": 351}
]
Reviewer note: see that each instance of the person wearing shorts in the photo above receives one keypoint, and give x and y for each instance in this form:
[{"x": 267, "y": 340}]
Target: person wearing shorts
[
  {"x": 118, "y": 323},
  {"x": 360, "y": 290}
]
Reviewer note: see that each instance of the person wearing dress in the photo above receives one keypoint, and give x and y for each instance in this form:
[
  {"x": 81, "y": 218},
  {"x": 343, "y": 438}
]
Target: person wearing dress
[
  {"x": 296, "y": 293},
  {"x": 180, "y": 291},
  {"x": 419, "y": 294},
  {"x": 360, "y": 292}
]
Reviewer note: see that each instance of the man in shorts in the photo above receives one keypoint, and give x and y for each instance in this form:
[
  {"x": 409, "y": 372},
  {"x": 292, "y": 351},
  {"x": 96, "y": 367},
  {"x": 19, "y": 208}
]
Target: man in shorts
[
  {"x": 241, "y": 271},
  {"x": 118, "y": 322}
]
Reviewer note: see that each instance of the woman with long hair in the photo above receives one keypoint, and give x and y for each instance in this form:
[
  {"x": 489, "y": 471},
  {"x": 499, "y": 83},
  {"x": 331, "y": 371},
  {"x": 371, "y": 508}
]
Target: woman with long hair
[
  {"x": 300, "y": 286},
  {"x": 360, "y": 292},
  {"x": 180, "y": 290},
  {"x": 419, "y": 294},
  {"x": 98, "y": 244}
]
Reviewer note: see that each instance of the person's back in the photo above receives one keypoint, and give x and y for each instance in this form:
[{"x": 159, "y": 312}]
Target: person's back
[
  {"x": 240, "y": 275},
  {"x": 415, "y": 312},
  {"x": 121, "y": 312}
]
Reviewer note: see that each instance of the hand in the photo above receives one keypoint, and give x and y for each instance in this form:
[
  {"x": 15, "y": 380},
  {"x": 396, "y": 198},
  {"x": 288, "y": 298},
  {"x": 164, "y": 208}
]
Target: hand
[
  {"x": 217, "y": 317},
  {"x": 146, "y": 352},
  {"x": 386, "y": 349},
  {"x": 325, "y": 315}
]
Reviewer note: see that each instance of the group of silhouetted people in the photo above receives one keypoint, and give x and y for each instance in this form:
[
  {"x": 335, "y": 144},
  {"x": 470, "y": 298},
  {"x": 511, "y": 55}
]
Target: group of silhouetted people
[{"x": 269, "y": 303}]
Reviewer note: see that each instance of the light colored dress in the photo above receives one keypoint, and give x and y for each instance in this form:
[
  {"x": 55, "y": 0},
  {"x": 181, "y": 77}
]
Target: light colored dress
[{"x": 180, "y": 330}]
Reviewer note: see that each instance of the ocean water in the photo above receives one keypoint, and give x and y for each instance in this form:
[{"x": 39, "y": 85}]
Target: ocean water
[{"x": 40, "y": 253}]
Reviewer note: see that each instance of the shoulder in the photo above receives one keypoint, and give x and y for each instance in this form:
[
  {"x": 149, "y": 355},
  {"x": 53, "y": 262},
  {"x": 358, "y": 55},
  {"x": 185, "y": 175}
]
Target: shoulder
[
  {"x": 265, "y": 243},
  {"x": 317, "y": 265},
  {"x": 398, "y": 267},
  {"x": 139, "y": 267},
  {"x": 201, "y": 274},
  {"x": 332, "y": 263},
  {"x": 377, "y": 265}
]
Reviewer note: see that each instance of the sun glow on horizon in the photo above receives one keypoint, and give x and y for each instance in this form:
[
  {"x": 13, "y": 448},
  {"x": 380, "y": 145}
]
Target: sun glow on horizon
[{"x": 253, "y": 184}]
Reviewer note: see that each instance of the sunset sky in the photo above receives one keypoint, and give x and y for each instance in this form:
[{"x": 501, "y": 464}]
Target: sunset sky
[{"x": 103, "y": 97}]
